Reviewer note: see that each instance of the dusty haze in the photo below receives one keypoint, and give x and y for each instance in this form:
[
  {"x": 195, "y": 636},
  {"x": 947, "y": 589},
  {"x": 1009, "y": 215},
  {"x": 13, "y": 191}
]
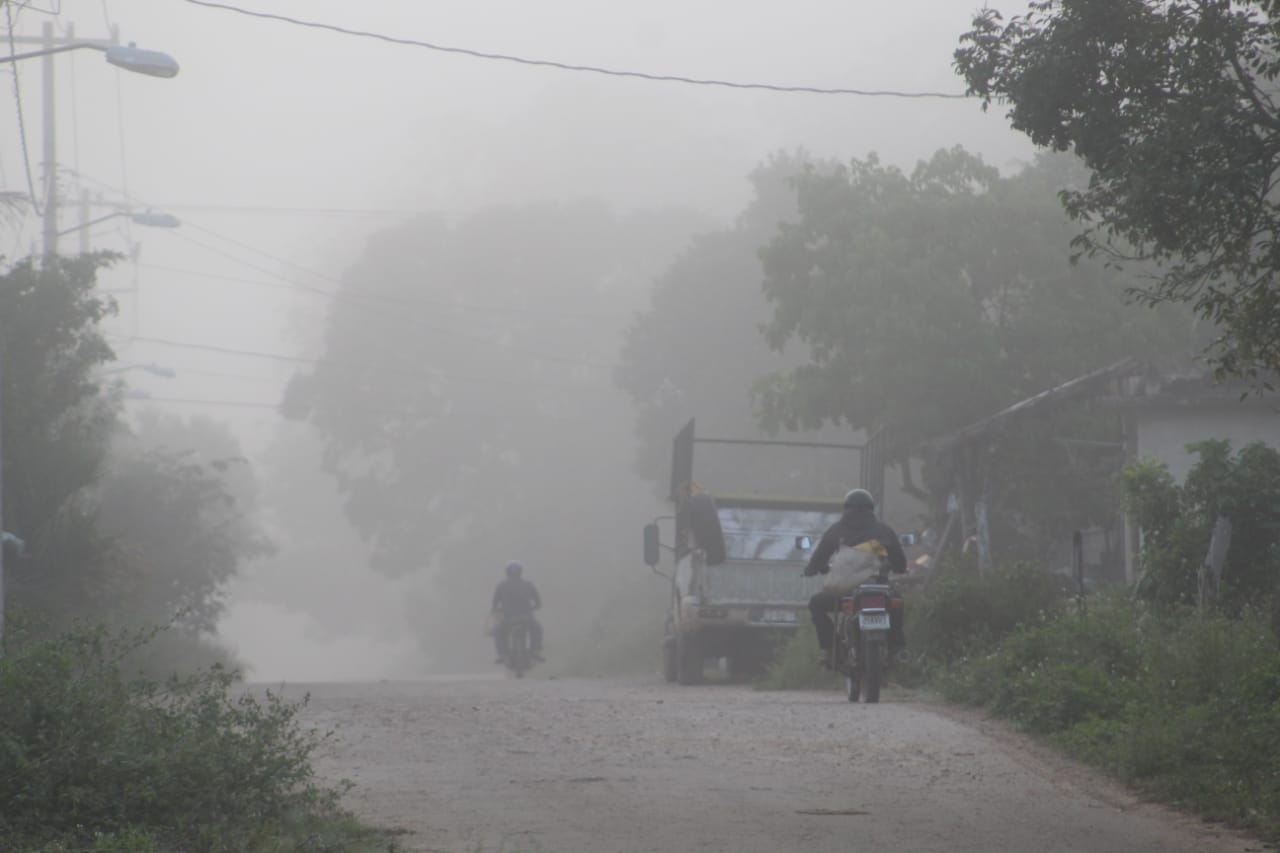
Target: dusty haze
[{"x": 285, "y": 150}]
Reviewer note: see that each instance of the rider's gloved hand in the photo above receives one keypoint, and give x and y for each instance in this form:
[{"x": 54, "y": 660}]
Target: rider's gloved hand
[{"x": 810, "y": 571}]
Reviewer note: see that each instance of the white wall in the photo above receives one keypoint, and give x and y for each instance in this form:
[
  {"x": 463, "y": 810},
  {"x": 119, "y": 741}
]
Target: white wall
[{"x": 1165, "y": 433}]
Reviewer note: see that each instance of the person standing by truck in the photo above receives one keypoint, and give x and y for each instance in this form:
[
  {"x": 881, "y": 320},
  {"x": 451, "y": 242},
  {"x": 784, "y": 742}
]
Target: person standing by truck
[{"x": 858, "y": 525}]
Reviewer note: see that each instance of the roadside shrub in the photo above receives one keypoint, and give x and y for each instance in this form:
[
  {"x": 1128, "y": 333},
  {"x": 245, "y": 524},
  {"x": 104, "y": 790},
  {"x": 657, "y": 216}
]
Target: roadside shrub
[
  {"x": 1054, "y": 673},
  {"x": 92, "y": 759},
  {"x": 1184, "y": 706},
  {"x": 963, "y": 613},
  {"x": 795, "y": 664},
  {"x": 1177, "y": 523}
]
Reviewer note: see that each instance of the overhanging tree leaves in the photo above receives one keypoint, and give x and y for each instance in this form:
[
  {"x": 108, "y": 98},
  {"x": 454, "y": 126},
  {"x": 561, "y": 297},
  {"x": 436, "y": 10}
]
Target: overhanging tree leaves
[
  {"x": 696, "y": 350},
  {"x": 1172, "y": 105},
  {"x": 930, "y": 300}
]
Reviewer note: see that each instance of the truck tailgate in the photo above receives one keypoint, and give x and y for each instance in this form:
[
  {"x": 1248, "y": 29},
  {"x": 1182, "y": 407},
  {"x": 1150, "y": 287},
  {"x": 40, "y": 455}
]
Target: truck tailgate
[{"x": 769, "y": 582}]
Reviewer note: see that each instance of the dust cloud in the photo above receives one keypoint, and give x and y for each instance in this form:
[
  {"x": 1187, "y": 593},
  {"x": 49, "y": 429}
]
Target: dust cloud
[{"x": 406, "y": 279}]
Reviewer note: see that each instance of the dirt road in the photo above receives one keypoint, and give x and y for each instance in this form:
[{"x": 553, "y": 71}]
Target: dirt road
[{"x": 490, "y": 764}]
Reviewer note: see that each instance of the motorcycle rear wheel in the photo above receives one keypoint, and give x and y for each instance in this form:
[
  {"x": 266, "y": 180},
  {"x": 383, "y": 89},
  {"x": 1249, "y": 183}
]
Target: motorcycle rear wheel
[{"x": 872, "y": 669}]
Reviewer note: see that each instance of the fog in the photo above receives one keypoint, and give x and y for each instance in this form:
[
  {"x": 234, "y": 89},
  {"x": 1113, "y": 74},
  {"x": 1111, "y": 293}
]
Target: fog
[{"x": 285, "y": 151}]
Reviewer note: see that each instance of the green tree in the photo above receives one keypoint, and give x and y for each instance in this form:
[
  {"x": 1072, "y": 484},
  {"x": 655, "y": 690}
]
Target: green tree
[
  {"x": 57, "y": 426},
  {"x": 931, "y": 299},
  {"x": 1177, "y": 522},
  {"x": 1172, "y": 106},
  {"x": 696, "y": 349},
  {"x": 176, "y": 515},
  {"x": 126, "y": 527},
  {"x": 464, "y": 406}
]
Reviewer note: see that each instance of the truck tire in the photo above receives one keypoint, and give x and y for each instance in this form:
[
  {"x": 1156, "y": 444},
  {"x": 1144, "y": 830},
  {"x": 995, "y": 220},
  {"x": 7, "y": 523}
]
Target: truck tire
[
  {"x": 688, "y": 658},
  {"x": 669, "y": 659}
]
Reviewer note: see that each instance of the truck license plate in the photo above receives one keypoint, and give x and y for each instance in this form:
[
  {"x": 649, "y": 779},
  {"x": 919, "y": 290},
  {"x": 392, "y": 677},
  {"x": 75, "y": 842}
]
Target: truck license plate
[
  {"x": 778, "y": 616},
  {"x": 873, "y": 621}
]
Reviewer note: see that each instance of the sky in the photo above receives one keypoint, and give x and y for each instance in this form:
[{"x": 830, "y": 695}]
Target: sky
[{"x": 282, "y": 148}]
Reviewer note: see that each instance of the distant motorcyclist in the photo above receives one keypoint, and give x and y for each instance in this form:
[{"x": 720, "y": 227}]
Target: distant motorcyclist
[
  {"x": 516, "y": 598},
  {"x": 857, "y": 526}
]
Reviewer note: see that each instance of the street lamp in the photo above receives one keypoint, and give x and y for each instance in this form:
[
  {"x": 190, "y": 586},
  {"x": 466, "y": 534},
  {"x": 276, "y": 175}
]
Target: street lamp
[{"x": 130, "y": 57}]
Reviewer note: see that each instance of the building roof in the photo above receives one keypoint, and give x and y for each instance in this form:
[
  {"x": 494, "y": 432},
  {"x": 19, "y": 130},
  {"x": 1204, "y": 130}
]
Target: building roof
[{"x": 1080, "y": 386}]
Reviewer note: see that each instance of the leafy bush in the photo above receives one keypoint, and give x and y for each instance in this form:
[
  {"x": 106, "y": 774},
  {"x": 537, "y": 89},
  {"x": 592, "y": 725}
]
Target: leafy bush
[
  {"x": 1177, "y": 522},
  {"x": 1185, "y": 706},
  {"x": 795, "y": 664},
  {"x": 92, "y": 759},
  {"x": 963, "y": 613}
]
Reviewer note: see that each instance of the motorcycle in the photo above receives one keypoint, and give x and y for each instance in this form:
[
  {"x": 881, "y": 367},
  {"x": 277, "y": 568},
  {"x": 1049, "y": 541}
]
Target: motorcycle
[
  {"x": 518, "y": 658},
  {"x": 865, "y": 631}
]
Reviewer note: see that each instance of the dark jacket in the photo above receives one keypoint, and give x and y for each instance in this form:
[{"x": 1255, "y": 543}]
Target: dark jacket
[
  {"x": 855, "y": 527},
  {"x": 516, "y": 597}
]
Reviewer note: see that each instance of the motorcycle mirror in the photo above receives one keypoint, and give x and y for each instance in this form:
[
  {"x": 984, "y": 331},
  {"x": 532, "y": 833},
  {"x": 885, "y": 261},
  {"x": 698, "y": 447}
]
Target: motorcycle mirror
[
  {"x": 652, "y": 545},
  {"x": 803, "y": 543}
]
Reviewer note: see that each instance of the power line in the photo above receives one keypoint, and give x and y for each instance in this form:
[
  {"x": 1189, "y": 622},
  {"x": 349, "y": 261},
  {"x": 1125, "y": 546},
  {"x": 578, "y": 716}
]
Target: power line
[
  {"x": 264, "y": 253},
  {"x": 378, "y": 298},
  {"x": 419, "y": 373},
  {"x": 285, "y": 210},
  {"x": 590, "y": 69},
  {"x": 243, "y": 404},
  {"x": 376, "y": 301}
]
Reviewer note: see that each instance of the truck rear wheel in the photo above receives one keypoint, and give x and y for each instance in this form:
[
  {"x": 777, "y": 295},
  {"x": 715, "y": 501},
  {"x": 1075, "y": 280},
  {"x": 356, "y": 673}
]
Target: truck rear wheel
[{"x": 689, "y": 659}]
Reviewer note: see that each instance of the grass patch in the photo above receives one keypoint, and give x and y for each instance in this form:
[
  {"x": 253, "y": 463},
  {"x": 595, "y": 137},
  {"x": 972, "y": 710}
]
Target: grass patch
[
  {"x": 795, "y": 664},
  {"x": 94, "y": 758}
]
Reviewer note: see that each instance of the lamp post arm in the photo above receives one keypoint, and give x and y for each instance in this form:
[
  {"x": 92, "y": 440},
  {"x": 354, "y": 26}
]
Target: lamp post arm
[
  {"x": 91, "y": 223},
  {"x": 50, "y": 51}
]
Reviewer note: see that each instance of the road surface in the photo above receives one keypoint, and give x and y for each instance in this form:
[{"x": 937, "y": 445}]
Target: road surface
[{"x": 465, "y": 765}]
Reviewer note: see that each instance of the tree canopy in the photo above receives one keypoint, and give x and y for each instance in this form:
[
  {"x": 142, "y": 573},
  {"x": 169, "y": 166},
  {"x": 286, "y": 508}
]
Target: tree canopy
[
  {"x": 696, "y": 350},
  {"x": 124, "y": 526},
  {"x": 930, "y": 299},
  {"x": 1172, "y": 105},
  {"x": 464, "y": 405}
]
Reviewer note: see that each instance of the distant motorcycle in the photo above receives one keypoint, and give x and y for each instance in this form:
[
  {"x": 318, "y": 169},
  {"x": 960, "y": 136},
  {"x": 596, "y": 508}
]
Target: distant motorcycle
[
  {"x": 862, "y": 637},
  {"x": 518, "y": 658}
]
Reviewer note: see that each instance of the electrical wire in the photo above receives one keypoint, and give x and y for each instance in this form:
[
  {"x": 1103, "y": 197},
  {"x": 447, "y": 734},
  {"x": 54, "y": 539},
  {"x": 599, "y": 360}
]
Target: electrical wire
[
  {"x": 264, "y": 253},
  {"x": 563, "y": 66},
  {"x": 22, "y": 126},
  {"x": 241, "y": 404},
  {"x": 284, "y": 210},
  {"x": 427, "y": 373},
  {"x": 380, "y": 298}
]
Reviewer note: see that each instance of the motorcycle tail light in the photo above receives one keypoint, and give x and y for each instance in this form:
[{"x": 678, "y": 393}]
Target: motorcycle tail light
[
  {"x": 848, "y": 606},
  {"x": 897, "y": 603},
  {"x": 872, "y": 602}
]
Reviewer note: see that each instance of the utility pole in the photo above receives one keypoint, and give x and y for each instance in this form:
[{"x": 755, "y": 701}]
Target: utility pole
[
  {"x": 48, "y": 42},
  {"x": 50, "y": 148}
]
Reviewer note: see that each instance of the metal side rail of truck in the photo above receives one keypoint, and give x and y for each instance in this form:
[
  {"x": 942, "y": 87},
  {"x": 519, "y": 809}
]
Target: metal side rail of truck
[{"x": 736, "y": 566}]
